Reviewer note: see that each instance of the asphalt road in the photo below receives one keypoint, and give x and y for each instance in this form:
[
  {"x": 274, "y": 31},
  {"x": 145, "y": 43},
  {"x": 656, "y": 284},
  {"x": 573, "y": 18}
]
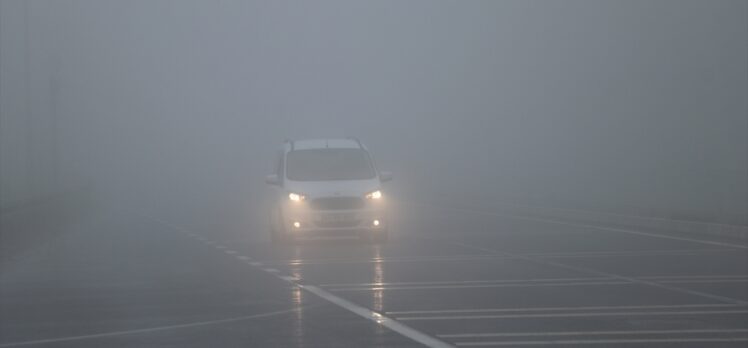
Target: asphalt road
[{"x": 447, "y": 277}]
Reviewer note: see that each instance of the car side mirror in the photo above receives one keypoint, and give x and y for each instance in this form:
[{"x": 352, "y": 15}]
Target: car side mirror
[
  {"x": 272, "y": 179},
  {"x": 385, "y": 176}
]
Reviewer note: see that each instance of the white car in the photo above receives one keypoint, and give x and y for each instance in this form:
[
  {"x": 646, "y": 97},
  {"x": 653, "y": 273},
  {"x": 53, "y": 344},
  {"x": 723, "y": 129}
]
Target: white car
[{"x": 328, "y": 187}]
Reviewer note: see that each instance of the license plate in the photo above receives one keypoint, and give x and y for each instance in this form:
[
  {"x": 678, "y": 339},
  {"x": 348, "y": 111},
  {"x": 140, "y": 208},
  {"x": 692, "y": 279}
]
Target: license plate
[{"x": 337, "y": 218}]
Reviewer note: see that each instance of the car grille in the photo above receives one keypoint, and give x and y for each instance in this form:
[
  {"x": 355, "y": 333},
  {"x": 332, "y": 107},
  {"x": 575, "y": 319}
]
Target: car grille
[
  {"x": 337, "y": 203},
  {"x": 337, "y": 224}
]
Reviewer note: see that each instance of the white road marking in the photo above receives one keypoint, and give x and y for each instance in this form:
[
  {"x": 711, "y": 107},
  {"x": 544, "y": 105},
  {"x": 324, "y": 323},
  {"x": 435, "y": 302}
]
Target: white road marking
[
  {"x": 243, "y": 258},
  {"x": 693, "y": 281},
  {"x": 390, "y": 259},
  {"x": 149, "y": 330},
  {"x": 590, "y": 333},
  {"x": 523, "y": 285},
  {"x": 568, "y": 315},
  {"x": 606, "y": 274},
  {"x": 446, "y": 282},
  {"x": 599, "y": 254},
  {"x": 221, "y": 247},
  {"x": 703, "y": 276},
  {"x": 665, "y": 279},
  {"x": 610, "y": 229},
  {"x": 610, "y": 341},
  {"x": 555, "y": 309},
  {"x": 378, "y": 318},
  {"x": 579, "y": 254},
  {"x": 230, "y": 252},
  {"x": 477, "y": 286},
  {"x": 288, "y": 278}
]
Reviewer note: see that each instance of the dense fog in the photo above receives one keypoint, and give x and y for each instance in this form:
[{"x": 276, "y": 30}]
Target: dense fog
[{"x": 178, "y": 108}]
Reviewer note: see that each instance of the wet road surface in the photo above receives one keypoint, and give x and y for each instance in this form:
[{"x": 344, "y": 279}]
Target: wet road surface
[{"x": 448, "y": 277}]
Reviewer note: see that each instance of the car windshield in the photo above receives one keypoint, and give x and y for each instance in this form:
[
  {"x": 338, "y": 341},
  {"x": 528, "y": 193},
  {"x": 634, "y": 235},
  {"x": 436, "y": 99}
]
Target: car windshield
[{"x": 328, "y": 164}]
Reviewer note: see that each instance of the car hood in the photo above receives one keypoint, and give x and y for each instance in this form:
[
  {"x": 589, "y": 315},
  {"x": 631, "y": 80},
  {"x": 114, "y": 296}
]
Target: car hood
[{"x": 313, "y": 189}]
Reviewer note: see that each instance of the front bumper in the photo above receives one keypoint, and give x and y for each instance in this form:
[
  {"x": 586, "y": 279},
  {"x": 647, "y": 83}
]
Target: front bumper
[{"x": 301, "y": 221}]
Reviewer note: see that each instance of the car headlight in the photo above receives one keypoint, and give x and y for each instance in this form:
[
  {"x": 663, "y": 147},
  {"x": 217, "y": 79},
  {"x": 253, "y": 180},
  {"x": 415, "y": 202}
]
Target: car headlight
[
  {"x": 295, "y": 197},
  {"x": 374, "y": 195}
]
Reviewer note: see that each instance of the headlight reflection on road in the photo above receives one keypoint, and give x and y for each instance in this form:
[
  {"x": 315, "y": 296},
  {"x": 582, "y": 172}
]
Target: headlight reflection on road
[
  {"x": 297, "y": 298},
  {"x": 378, "y": 295}
]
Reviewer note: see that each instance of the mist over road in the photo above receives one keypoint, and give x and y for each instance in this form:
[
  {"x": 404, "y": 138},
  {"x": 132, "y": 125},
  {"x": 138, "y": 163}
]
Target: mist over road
[
  {"x": 449, "y": 276},
  {"x": 566, "y": 172}
]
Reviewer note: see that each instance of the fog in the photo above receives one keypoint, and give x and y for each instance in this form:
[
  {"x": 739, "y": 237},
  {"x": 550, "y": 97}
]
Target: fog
[{"x": 178, "y": 108}]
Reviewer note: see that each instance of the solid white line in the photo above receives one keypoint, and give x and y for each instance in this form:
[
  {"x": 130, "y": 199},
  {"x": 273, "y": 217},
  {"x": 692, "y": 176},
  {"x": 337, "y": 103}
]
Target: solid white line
[
  {"x": 610, "y": 229},
  {"x": 705, "y": 276},
  {"x": 580, "y": 254},
  {"x": 388, "y": 260},
  {"x": 477, "y": 286},
  {"x": 610, "y": 341},
  {"x": 684, "y": 278},
  {"x": 378, "y": 318},
  {"x": 567, "y": 315},
  {"x": 590, "y": 333},
  {"x": 694, "y": 281},
  {"x": 547, "y": 262},
  {"x": 523, "y": 285},
  {"x": 555, "y": 309},
  {"x": 446, "y": 282},
  {"x": 148, "y": 330},
  {"x": 599, "y": 254}
]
